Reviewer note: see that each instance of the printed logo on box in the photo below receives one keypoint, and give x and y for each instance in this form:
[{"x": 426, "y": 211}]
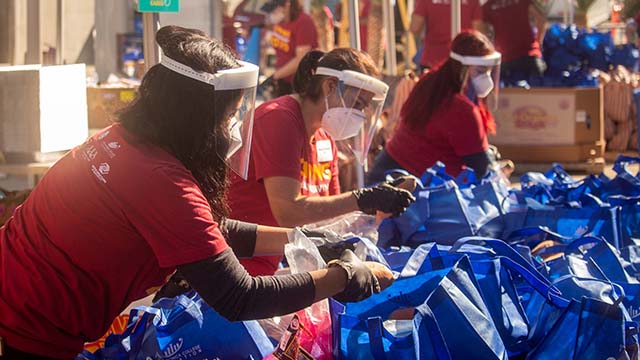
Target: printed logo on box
[{"x": 533, "y": 117}]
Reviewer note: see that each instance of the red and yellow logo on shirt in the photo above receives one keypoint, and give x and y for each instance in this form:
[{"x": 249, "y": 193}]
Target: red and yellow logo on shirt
[
  {"x": 281, "y": 38},
  {"x": 315, "y": 178}
]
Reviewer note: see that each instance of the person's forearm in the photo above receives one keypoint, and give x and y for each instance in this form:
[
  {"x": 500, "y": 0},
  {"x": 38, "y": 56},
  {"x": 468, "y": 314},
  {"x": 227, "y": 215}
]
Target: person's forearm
[
  {"x": 271, "y": 240},
  {"x": 328, "y": 282},
  {"x": 227, "y": 287},
  {"x": 310, "y": 209},
  {"x": 241, "y": 237},
  {"x": 289, "y": 68}
]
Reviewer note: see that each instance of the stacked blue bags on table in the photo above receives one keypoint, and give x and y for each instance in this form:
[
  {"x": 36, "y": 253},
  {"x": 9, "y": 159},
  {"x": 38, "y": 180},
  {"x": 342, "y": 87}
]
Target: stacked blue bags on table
[
  {"x": 572, "y": 54},
  {"x": 486, "y": 298}
]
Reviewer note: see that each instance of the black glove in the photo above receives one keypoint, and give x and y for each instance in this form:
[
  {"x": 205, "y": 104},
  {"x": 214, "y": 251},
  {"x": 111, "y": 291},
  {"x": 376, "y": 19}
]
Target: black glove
[
  {"x": 332, "y": 251},
  {"x": 384, "y": 197},
  {"x": 361, "y": 282}
]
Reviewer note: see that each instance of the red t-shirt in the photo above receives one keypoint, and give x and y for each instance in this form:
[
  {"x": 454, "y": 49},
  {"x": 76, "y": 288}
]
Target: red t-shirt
[
  {"x": 107, "y": 225},
  {"x": 281, "y": 147},
  {"x": 514, "y": 34},
  {"x": 437, "y": 16},
  {"x": 456, "y": 129},
  {"x": 288, "y": 36}
]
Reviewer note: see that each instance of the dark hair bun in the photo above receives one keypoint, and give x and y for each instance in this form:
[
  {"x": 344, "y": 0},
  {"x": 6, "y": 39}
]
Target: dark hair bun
[{"x": 306, "y": 69}]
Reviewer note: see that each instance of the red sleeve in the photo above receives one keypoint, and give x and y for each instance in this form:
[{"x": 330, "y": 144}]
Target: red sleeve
[
  {"x": 175, "y": 218},
  {"x": 275, "y": 152},
  {"x": 421, "y": 8},
  {"x": 466, "y": 132},
  {"x": 306, "y": 33},
  {"x": 476, "y": 13},
  {"x": 334, "y": 185}
]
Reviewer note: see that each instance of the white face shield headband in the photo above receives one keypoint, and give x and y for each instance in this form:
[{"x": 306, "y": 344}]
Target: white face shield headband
[
  {"x": 354, "y": 122},
  {"x": 240, "y": 126},
  {"x": 486, "y": 74}
]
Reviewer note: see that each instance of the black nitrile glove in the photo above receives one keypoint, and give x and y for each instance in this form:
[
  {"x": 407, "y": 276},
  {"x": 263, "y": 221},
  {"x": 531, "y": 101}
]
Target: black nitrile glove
[
  {"x": 384, "y": 197},
  {"x": 361, "y": 281},
  {"x": 333, "y": 251}
]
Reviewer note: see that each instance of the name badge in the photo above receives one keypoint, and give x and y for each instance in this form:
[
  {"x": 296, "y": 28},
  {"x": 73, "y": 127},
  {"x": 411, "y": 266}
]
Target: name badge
[{"x": 324, "y": 151}]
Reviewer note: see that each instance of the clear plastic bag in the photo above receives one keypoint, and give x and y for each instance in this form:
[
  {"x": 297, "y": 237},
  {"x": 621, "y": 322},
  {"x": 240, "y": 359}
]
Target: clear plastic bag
[
  {"x": 316, "y": 337},
  {"x": 352, "y": 224}
]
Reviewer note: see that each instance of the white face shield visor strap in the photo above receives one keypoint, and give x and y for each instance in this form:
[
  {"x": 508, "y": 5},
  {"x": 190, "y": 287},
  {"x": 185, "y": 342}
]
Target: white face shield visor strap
[
  {"x": 240, "y": 127},
  {"x": 363, "y": 96},
  {"x": 491, "y": 61}
]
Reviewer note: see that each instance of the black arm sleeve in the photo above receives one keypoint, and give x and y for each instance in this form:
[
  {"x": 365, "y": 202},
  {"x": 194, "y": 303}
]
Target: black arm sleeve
[
  {"x": 241, "y": 237},
  {"x": 227, "y": 287},
  {"x": 479, "y": 162}
]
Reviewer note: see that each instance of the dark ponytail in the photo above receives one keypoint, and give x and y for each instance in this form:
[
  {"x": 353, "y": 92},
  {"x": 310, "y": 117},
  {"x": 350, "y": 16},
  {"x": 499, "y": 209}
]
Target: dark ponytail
[
  {"x": 309, "y": 86},
  {"x": 305, "y": 71}
]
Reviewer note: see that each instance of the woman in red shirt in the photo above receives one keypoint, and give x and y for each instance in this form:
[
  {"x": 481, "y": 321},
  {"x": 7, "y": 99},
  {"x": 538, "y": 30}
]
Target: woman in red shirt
[
  {"x": 293, "y": 174},
  {"x": 144, "y": 198},
  {"x": 445, "y": 119},
  {"x": 293, "y": 35}
]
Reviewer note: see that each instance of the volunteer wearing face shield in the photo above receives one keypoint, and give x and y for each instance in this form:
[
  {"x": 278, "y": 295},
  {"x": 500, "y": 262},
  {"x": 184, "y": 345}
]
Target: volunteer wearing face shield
[
  {"x": 117, "y": 215},
  {"x": 293, "y": 174},
  {"x": 445, "y": 117},
  {"x": 293, "y": 35}
]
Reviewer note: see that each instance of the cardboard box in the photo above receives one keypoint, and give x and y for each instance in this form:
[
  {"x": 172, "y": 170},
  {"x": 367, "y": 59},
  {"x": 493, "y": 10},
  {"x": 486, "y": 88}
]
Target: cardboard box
[
  {"x": 549, "y": 116},
  {"x": 43, "y": 110},
  {"x": 103, "y": 102},
  {"x": 552, "y": 153}
]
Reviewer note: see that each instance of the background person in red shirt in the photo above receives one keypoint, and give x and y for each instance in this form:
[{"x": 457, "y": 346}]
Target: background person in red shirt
[
  {"x": 443, "y": 120},
  {"x": 293, "y": 35},
  {"x": 119, "y": 214},
  {"x": 432, "y": 18},
  {"x": 293, "y": 174},
  {"x": 518, "y": 27}
]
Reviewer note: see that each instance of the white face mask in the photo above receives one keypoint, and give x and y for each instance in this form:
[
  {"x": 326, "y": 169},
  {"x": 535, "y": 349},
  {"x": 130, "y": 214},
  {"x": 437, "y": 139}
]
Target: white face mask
[
  {"x": 482, "y": 84},
  {"x": 276, "y": 17},
  {"x": 342, "y": 122},
  {"x": 235, "y": 136}
]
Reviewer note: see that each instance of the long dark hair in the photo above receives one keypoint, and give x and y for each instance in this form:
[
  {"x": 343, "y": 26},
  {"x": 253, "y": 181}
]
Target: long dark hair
[
  {"x": 441, "y": 84},
  {"x": 185, "y": 116},
  {"x": 309, "y": 86},
  {"x": 295, "y": 10}
]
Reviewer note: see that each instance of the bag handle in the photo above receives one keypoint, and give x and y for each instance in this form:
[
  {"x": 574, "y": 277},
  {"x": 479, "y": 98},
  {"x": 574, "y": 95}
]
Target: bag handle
[
  {"x": 622, "y": 161},
  {"x": 500, "y": 248},
  {"x": 435, "y": 335},
  {"x": 575, "y": 247},
  {"x": 544, "y": 288},
  {"x": 374, "y": 327},
  {"x": 537, "y": 230},
  {"x": 417, "y": 259}
]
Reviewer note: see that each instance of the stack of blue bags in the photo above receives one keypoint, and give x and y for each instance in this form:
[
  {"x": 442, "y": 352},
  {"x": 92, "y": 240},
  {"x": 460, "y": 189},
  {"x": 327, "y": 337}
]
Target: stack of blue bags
[
  {"x": 573, "y": 57},
  {"x": 474, "y": 281}
]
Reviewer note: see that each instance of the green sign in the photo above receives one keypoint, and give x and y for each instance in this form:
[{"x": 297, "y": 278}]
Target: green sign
[{"x": 159, "y": 6}]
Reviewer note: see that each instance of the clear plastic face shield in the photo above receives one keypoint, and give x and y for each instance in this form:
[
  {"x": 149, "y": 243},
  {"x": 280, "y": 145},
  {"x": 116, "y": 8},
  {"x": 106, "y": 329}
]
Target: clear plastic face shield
[
  {"x": 484, "y": 75},
  {"x": 240, "y": 118},
  {"x": 353, "y": 111}
]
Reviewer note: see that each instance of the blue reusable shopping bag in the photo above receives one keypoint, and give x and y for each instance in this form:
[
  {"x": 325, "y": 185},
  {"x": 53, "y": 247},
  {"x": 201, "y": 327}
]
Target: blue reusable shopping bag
[
  {"x": 186, "y": 327},
  {"x": 587, "y": 329},
  {"x": 459, "y": 317},
  {"x": 447, "y": 209}
]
